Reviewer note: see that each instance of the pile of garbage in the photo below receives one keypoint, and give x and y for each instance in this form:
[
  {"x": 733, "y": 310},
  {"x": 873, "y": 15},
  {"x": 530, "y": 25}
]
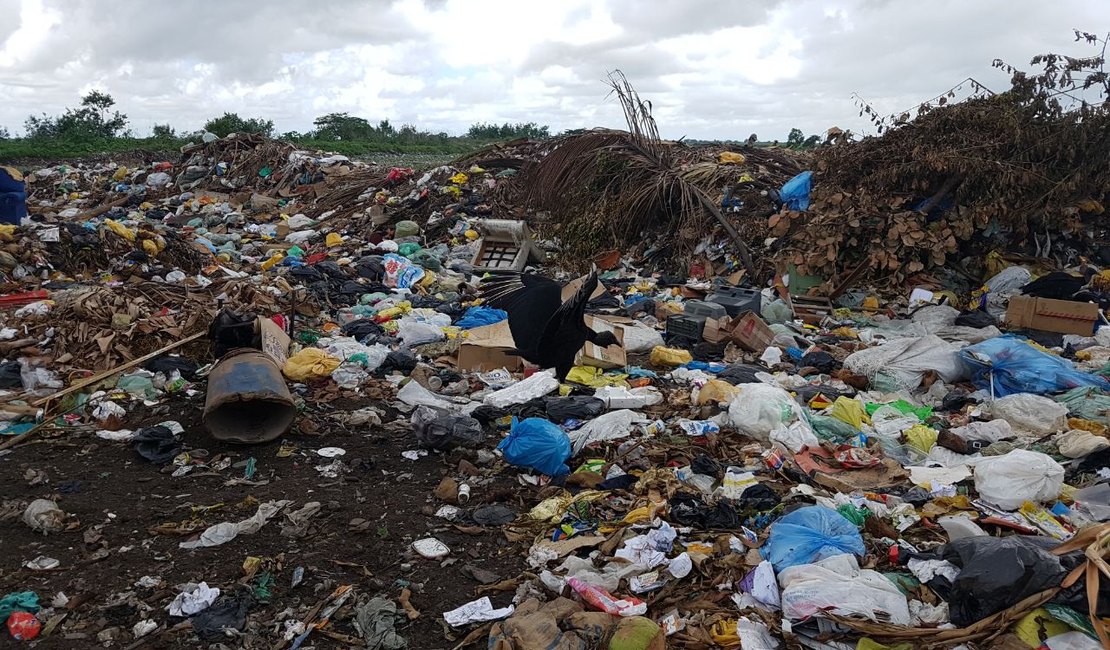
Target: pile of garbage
[{"x": 751, "y": 467}]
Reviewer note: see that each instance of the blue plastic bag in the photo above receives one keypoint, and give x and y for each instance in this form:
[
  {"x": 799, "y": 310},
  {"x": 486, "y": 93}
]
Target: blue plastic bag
[
  {"x": 481, "y": 316},
  {"x": 795, "y": 192},
  {"x": 539, "y": 444},
  {"x": 809, "y": 535},
  {"x": 1021, "y": 368}
]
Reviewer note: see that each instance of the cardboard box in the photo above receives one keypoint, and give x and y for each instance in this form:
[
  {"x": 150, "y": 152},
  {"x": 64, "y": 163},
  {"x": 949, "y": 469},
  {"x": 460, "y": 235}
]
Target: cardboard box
[
  {"x": 273, "y": 341},
  {"x": 599, "y": 357},
  {"x": 1046, "y": 314},
  {"x": 750, "y": 332},
  {"x": 485, "y": 349}
]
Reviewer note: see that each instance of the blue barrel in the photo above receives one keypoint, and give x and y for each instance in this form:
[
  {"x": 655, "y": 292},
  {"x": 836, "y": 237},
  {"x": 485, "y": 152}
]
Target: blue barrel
[
  {"x": 247, "y": 400},
  {"x": 13, "y": 196}
]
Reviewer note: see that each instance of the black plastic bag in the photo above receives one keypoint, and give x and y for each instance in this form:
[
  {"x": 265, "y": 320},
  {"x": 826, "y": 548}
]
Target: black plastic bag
[
  {"x": 167, "y": 364},
  {"x": 10, "y": 375},
  {"x": 403, "y": 361},
  {"x": 443, "y": 431},
  {"x": 977, "y": 319},
  {"x": 362, "y": 329},
  {"x": 740, "y": 374},
  {"x": 493, "y": 514},
  {"x": 534, "y": 408},
  {"x": 823, "y": 361},
  {"x": 229, "y": 612},
  {"x": 707, "y": 465},
  {"x": 758, "y": 497},
  {"x": 230, "y": 330},
  {"x": 689, "y": 510},
  {"x": 578, "y": 407},
  {"x": 156, "y": 444},
  {"x": 487, "y": 414},
  {"x": 997, "y": 572}
]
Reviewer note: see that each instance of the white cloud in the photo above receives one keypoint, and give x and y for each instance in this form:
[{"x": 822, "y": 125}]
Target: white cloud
[{"x": 711, "y": 69}]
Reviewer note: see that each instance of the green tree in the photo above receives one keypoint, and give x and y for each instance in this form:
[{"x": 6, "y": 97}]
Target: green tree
[
  {"x": 341, "y": 126},
  {"x": 295, "y": 135},
  {"x": 795, "y": 139},
  {"x": 507, "y": 131},
  {"x": 5, "y": 134},
  {"x": 92, "y": 119},
  {"x": 230, "y": 123},
  {"x": 163, "y": 132}
]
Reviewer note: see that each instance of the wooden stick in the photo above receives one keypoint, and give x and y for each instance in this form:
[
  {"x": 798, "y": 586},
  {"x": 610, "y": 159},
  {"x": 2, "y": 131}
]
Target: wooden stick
[{"x": 115, "y": 371}]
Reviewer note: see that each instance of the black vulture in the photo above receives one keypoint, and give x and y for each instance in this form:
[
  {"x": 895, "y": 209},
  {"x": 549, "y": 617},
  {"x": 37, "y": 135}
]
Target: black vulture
[{"x": 547, "y": 331}]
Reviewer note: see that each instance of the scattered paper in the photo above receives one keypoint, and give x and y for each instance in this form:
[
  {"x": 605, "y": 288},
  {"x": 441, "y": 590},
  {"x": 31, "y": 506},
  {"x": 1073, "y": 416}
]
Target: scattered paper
[{"x": 477, "y": 611}]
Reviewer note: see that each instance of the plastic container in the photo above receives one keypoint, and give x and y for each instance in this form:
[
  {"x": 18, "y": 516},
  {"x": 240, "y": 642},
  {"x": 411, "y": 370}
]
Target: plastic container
[
  {"x": 737, "y": 300},
  {"x": 704, "y": 309},
  {"x": 686, "y": 326},
  {"x": 247, "y": 401}
]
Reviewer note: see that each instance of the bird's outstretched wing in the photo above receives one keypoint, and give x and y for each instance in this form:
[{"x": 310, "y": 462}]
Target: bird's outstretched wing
[
  {"x": 530, "y": 300},
  {"x": 566, "y": 328}
]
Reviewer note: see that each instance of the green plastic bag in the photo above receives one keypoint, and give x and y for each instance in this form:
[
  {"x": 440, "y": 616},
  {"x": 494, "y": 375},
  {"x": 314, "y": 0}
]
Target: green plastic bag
[{"x": 18, "y": 601}]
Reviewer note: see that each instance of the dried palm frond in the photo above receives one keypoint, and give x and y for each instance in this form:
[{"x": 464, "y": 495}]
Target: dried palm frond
[{"x": 607, "y": 188}]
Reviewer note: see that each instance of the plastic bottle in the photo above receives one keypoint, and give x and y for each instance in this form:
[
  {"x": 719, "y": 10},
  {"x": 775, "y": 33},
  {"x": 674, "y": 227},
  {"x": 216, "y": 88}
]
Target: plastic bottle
[
  {"x": 603, "y": 601},
  {"x": 464, "y": 493},
  {"x": 699, "y": 427}
]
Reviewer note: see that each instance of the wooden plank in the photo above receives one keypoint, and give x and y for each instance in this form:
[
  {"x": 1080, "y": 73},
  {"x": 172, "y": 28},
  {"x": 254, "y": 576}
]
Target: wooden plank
[{"x": 118, "y": 369}]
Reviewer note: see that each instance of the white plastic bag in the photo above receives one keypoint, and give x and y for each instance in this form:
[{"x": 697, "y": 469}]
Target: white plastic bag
[
  {"x": 639, "y": 338},
  {"x": 795, "y": 437},
  {"x": 935, "y": 317},
  {"x": 992, "y": 431},
  {"x": 1009, "y": 480},
  {"x": 613, "y": 425},
  {"x": 629, "y": 398},
  {"x": 1030, "y": 413},
  {"x": 905, "y": 361},
  {"x": 759, "y": 409},
  {"x": 414, "y": 332},
  {"x": 537, "y": 385},
  {"x": 838, "y": 585}
]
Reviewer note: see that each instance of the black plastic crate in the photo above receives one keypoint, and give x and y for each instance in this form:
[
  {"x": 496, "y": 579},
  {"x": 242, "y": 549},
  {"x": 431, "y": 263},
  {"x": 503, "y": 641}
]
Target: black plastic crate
[
  {"x": 737, "y": 300},
  {"x": 686, "y": 326}
]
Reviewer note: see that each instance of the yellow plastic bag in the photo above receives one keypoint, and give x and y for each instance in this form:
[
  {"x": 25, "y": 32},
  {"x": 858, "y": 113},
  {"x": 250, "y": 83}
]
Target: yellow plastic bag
[
  {"x": 120, "y": 174},
  {"x": 851, "y": 411},
  {"x": 310, "y": 363},
  {"x": 7, "y": 232},
  {"x": 922, "y": 437},
  {"x": 459, "y": 178},
  {"x": 1029, "y": 628},
  {"x": 664, "y": 356},
  {"x": 730, "y": 158},
  {"x": 120, "y": 229},
  {"x": 333, "y": 239},
  {"x": 272, "y": 262},
  {"x": 595, "y": 377},
  {"x": 716, "y": 391},
  {"x": 150, "y": 247}
]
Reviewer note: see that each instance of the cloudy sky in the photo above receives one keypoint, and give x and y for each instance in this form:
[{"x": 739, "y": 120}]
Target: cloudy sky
[{"x": 713, "y": 69}]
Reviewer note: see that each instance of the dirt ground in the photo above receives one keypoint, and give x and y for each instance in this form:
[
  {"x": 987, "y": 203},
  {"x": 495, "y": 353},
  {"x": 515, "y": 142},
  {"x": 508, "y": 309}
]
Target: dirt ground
[{"x": 118, "y": 497}]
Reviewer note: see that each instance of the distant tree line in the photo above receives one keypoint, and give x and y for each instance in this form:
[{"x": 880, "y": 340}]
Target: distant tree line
[{"x": 95, "y": 119}]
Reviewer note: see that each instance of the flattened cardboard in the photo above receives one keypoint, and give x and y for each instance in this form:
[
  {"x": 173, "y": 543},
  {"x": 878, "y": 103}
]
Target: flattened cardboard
[
  {"x": 1046, "y": 314},
  {"x": 485, "y": 349},
  {"x": 599, "y": 357},
  {"x": 274, "y": 341}
]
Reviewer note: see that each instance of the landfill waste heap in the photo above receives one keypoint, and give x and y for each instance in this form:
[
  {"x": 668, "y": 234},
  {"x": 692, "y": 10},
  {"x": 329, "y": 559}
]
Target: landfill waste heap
[{"x": 252, "y": 398}]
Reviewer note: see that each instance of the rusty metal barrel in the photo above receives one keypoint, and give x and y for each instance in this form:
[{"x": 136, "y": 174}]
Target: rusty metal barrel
[{"x": 247, "y": 401}]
